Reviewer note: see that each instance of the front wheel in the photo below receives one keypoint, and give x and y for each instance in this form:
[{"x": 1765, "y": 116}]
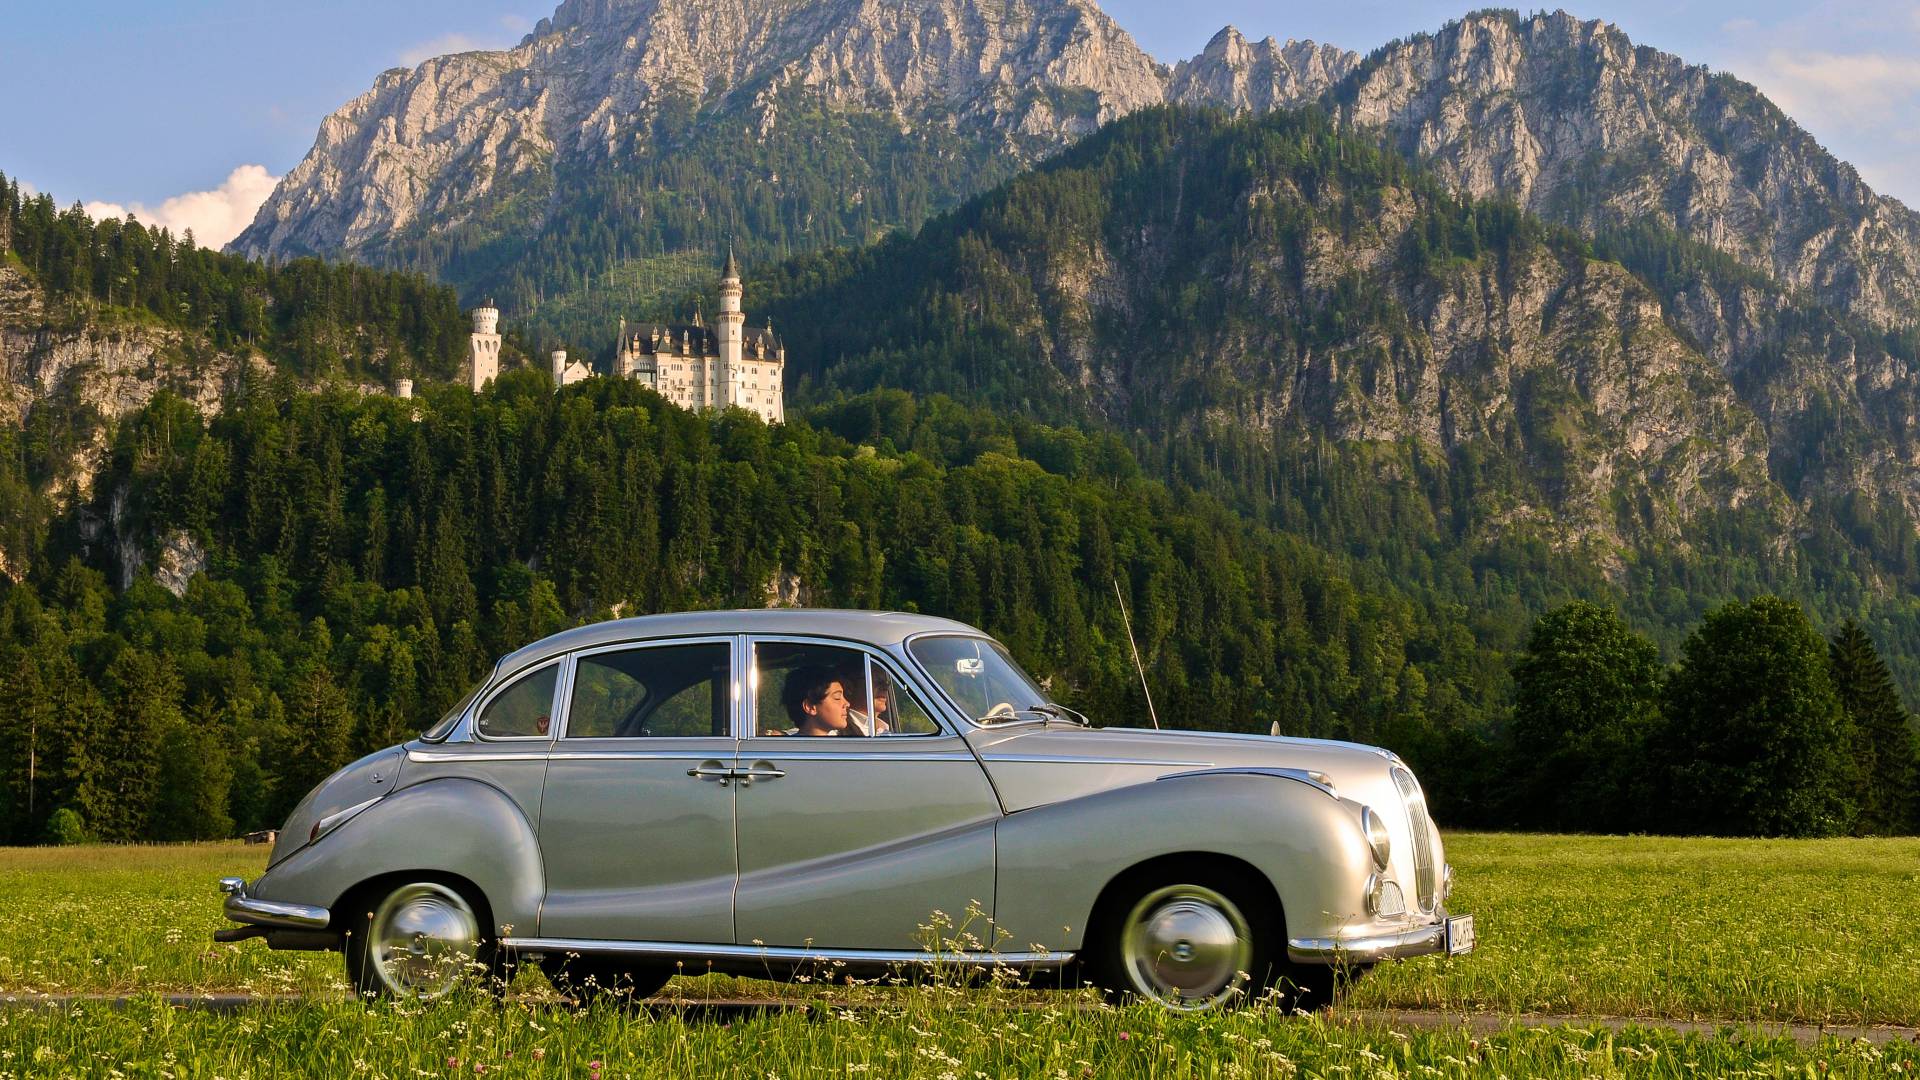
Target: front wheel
[
  {"x": 1188, "y": 946},
  {"x": 421, "y": 940}
]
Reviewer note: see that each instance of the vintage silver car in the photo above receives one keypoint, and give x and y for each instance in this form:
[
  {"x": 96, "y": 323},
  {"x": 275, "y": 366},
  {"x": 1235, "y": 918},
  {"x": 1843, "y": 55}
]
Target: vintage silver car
[{"x": 631, "y": 798}]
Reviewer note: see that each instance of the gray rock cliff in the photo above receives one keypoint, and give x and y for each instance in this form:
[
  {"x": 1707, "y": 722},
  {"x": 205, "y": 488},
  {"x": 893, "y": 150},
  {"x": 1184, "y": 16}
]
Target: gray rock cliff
[
  {"x": 438, "y": 140},
  {"x": 1573, "y": 121}
]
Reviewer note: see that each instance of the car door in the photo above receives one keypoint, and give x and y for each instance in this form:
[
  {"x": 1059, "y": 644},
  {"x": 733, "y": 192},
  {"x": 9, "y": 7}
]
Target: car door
[
  {"x": 851, "y": 841},
  {"x": 636, "y": 823}
]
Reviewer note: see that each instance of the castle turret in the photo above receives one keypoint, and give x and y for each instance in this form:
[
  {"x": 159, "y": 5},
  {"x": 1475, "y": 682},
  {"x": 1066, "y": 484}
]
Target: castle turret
[
  {"x": 728, "y": 331},
  {"x": 483, "y": 347},
  {"x": 559, "y": 366}
]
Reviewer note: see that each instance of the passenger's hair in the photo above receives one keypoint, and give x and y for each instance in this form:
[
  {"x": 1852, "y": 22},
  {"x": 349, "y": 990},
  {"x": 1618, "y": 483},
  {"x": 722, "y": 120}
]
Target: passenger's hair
[{"x": 807, "y": 686}]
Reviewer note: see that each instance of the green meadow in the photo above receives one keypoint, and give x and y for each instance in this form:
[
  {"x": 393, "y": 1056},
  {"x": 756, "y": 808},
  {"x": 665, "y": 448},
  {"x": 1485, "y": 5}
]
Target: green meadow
[{"x": 1726, "y": 931}]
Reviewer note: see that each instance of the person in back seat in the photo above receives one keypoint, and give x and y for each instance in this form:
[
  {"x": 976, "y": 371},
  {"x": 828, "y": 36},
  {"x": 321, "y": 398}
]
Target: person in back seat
[{"x": 816, "y": 701}]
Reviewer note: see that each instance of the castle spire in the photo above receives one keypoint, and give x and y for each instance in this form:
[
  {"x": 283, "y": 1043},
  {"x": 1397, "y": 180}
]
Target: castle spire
[{"x": 730, "y": 272}]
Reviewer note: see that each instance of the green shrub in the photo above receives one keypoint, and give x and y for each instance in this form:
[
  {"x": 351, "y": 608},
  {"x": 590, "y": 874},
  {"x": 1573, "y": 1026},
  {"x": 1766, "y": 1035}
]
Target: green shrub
[{"x": 66, "y": 828}]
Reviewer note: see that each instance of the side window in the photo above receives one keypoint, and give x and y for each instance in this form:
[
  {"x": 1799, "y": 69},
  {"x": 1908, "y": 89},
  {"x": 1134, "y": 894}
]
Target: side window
[
  {"x": 897, "y": 710},
  {"x": 802, "y": 689},
  {"x": 524, "y": 709},
  {"x": 660, "y": 692}
]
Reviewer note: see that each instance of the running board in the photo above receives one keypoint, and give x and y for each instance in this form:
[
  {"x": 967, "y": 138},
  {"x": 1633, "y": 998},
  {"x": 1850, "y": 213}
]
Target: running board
[{"x": 783, "y": 954}]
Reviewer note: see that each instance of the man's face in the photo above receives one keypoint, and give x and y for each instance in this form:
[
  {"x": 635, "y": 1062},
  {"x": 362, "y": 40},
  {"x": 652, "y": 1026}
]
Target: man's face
[{"x": 832, "y": 709}]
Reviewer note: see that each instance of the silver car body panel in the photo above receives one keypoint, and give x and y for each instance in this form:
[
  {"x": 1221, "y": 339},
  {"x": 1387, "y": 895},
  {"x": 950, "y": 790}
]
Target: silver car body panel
[
  {"x": 778, "y": 845},
  {"x": 453, "y": 826}
]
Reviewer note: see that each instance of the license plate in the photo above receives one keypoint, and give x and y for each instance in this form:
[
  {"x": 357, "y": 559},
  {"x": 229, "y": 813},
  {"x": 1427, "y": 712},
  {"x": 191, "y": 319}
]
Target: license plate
[{"x": 1459, "y": 935}]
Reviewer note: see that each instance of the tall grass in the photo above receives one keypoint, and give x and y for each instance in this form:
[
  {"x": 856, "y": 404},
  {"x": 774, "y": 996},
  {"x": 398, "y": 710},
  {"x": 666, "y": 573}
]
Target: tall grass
[
  {"x": 929, "y": 1033},
  {"x": 1817, "y": 931}
]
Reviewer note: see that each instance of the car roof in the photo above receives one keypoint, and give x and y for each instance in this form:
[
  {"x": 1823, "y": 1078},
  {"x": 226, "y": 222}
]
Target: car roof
[{"x": 872, "y": 627}]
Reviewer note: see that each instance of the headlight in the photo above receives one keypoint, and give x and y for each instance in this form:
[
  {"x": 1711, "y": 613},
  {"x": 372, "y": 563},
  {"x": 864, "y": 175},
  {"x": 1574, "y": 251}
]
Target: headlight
[{"x": 1377, "y": 837}]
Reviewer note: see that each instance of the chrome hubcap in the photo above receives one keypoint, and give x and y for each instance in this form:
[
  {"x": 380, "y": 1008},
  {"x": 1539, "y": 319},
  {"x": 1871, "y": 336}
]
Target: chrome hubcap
[
  {"x": 424, "y": 939},
  {"x": 1186, "y": 946}
]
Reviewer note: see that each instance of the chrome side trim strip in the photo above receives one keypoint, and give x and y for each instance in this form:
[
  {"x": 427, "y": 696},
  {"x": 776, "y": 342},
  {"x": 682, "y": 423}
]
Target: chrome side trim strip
[
  {"x": 483, "y": 755},
  {"x": 1068, "y": 759},
  {"x": 760, "y": 749},
  {"x": 339, "y": 817},
  {"x": 642, "y": 755},
  {"x": 785, "y": 954},
  {"x": 1420, "y": 941},
  {"x": 1300, "y": 775}
]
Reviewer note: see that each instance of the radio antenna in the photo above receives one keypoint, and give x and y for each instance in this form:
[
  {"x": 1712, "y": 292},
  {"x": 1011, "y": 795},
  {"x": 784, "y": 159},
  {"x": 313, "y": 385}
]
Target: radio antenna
[{"x": 1137, "y": 665}]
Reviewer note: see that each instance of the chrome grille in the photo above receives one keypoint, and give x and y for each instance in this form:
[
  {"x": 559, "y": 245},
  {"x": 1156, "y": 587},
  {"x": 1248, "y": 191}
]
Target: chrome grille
[{"x": 1426, "y": 880}]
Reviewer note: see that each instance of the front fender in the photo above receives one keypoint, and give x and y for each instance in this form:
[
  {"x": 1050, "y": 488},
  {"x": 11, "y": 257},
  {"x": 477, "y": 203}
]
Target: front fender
[
  {"x": 1056, "y": 859},
  {"x": 455, "y": 826}
]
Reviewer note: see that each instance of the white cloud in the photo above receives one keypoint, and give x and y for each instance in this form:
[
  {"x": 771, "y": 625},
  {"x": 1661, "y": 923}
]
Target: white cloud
[
  {"x": 215, "y": 217},
  {"x": 27, "y": 191},
  {"x": 443, "y": 45},
  {"x": 1846, "y": 88}
]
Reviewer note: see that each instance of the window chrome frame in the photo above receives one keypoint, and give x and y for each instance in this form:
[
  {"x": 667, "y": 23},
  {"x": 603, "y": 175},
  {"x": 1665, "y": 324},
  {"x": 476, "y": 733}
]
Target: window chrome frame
[
  {"x": 562, "y": 684},
  {"x": 735, "y": 679},
  {"x": 747, "y": 713},
  {"x": 906, "y": 648}
]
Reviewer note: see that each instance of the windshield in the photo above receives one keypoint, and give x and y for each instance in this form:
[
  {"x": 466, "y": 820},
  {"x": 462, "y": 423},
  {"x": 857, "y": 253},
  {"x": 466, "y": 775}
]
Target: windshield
[
  {"x": 444, "y": 726},
  {"x": 980, "y": 677}
]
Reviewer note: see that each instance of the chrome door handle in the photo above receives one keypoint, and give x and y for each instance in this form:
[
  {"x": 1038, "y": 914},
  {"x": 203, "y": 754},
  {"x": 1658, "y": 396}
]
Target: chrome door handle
[
  {"x": 761, "y": 771},
  {"x": 713, "y": 770}
]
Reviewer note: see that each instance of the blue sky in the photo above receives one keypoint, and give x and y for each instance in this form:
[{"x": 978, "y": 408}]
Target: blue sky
[{"x": 187, "y": 110}]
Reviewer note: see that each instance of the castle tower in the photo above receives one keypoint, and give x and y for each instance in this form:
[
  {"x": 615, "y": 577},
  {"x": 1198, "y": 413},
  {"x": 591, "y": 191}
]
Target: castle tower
[
  {"x": 483, "y": 347},
  {"x": 559, "y": 360},
  {"x": 728, "y": 331}
]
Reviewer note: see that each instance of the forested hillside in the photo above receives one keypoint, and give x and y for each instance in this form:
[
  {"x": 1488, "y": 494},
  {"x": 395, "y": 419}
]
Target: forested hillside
[
  {"x": 314, "y": 319},
  {"x": 1477, "y": 407},
  {"x": 367, "y": 558},
  {"x": 96, "y": 317}
]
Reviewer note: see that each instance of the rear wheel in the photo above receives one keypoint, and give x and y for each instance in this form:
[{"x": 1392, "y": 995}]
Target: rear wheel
[
  {"x": 1188, "y": 945},
  {"x": 422, "y": 940},
  {"x": 586, "y": 978}
]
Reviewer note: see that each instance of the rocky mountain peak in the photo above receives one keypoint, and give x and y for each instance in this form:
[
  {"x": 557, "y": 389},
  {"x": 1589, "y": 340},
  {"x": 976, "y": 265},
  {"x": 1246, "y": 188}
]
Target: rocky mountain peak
[
  {"x": 1258, "y": 77},
  {"x": 1575, "y": 122},
  {"x": 458, "y": 131}
]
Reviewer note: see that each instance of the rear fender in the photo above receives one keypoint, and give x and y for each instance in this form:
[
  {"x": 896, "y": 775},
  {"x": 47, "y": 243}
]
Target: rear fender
[
  {"x": 1055, "y": 860},
  {"x": 457, "y": 827}
]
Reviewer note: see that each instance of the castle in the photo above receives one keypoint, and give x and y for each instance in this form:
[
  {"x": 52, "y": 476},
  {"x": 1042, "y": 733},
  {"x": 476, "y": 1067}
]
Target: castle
[{"x": 693, "y": 365}]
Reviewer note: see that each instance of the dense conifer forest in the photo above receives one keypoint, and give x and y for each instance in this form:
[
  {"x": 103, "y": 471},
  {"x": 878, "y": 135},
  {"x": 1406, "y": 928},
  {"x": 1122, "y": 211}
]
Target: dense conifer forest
[{"x": 370, "y": 557}]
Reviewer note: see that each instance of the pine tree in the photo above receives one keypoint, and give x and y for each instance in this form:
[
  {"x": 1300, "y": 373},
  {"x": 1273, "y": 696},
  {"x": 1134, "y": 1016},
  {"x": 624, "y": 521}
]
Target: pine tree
[
  {"x": 319, "y": 735},
  {"x": 1887, "y": 748}
]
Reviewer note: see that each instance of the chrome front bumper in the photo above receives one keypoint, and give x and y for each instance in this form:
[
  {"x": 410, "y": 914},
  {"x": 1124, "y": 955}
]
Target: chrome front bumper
[
  {"x": 1423, "y": 940},
  {"x": 253, "y": 911}
]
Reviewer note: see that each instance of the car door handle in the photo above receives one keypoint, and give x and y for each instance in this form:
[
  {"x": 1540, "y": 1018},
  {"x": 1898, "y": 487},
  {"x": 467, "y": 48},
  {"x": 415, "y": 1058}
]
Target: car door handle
[
  {"x": 761, "y": 771},
  {"x": 713, "y": 770}
]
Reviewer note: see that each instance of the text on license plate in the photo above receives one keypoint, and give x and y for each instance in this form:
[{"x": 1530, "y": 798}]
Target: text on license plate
[{"x": 1459, "y": 935}]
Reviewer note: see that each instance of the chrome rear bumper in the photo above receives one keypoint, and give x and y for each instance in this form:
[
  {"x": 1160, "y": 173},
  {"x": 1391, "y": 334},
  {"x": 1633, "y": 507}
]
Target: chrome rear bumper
[
  {"x": 242, "y": 908},
  {"x": 1423, "y": 940}
]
